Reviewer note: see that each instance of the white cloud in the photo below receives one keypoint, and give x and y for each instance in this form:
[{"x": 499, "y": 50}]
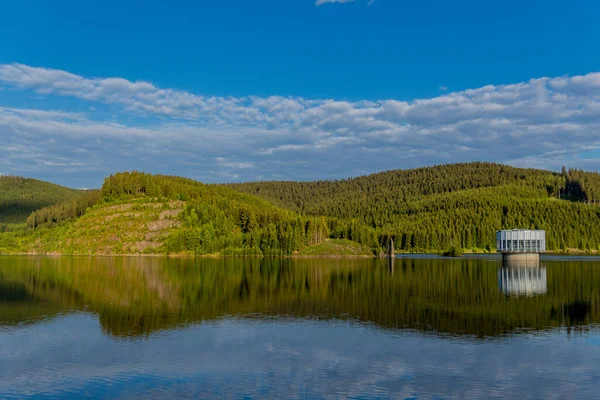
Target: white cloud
[
  {"x": 233, "y": 164},
  {"x": 545, "y": 122},
  {"x": 321, "y": 2}
]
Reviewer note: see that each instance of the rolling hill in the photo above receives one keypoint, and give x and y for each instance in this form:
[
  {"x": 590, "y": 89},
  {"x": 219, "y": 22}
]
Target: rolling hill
[
  {"x": 138, "y": 213},
  {"x": 19, "y": 197},
  {"x": 461, "y": 205},
  {"x": 423, "y": 210}
]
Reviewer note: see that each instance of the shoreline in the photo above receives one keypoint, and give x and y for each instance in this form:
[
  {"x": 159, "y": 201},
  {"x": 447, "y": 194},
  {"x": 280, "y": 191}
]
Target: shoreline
[
  {"x": 578, "y": 253},
  {"x": 215, "y": 256}
]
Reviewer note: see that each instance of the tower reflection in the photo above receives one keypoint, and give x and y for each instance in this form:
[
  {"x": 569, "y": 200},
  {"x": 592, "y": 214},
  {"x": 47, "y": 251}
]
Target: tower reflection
[{"x": 522, "y": 278}]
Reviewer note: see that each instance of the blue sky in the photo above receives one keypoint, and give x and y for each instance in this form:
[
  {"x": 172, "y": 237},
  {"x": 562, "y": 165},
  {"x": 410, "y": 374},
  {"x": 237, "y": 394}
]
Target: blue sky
[{"x": 299, "y": 90}]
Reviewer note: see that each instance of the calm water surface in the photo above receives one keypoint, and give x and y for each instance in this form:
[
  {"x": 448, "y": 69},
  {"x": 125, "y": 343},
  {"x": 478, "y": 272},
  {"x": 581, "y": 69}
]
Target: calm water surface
[{"x": 423, "y": 327}]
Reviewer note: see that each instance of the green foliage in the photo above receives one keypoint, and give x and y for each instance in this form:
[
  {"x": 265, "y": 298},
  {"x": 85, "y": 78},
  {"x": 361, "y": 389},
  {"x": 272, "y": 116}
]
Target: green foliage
[
  {"x": 453, "y": 252},
  {"x": 425, "y": 209},
  {"x": 136, "y": 184},
  {"x": 224, "y": 221},
  {"x": 375, "y": 198},
  {"x": 337, "y": 247},
  {"x": 143, "y": 213},
  {"x": 63, "y": 211},
  {"x": 437, "y": 207},
  {"x": 218, "y": 219},
  {"x": 19, "y": 197},
  {"x": 582, "y": 186}
]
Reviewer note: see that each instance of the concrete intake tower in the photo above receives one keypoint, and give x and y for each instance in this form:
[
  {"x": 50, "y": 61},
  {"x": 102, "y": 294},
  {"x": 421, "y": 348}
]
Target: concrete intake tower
[{"x": 520, "y": 245}]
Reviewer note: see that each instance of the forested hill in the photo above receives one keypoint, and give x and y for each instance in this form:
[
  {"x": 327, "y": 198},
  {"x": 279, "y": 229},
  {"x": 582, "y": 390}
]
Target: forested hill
[
  {"x": 426, "y": 209},
  {"x": 453, "y": 205},
  {"x": 19, "y": 197},
  {"x": 399, "y": 185},
  {"x": 137, "y": 213}
]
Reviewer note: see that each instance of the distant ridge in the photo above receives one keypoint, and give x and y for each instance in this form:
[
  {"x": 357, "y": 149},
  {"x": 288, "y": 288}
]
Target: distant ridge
[
  {"x": 450, "y": 205},
  {"x": 19, "y": 197}
]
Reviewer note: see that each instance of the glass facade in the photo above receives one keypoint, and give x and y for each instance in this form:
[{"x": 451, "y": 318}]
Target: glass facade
[{"x": 521, "y": 241}]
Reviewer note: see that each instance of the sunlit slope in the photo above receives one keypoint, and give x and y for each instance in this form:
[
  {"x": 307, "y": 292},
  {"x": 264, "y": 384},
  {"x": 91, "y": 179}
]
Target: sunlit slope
[
  {"x": 19, "y": 197},
  {"x": 132, "y": 227},
  {"x": 463, "y": 205},
  {"x": 337, "y": 247},
  {"x": 139, "y": 213}
]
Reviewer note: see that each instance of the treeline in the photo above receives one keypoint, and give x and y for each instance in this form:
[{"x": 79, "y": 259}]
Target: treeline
[
  {"x": 463, "y": 205},
  {"x": 66, "y": 210},
  {"x": 19, "y": 197},
  {"x": 136, "y": 184},
  {"x": 385, "y": 190}
]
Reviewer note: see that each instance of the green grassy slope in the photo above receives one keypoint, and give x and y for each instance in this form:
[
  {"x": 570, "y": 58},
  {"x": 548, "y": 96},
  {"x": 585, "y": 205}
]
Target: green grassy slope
[
  {"x": 337, "y": 247},
  {"x": 462, "y": 205},
  {"x": 19, "y": 197}
]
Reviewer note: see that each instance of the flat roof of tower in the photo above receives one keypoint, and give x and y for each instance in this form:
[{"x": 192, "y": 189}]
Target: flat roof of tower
[{"x": 521, "y": 230}]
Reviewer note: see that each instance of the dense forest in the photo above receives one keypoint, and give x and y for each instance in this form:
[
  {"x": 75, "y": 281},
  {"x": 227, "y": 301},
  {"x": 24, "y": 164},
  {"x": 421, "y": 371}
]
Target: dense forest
[
  {"x": 19, "y": 197},
  {"x": 63, "y": 211},
  {"x": 219, "y": 219},
  {"x": 135, "y": 212},
  {"x": 461, "y": 205},
  {"x": 582, "y": 186},
  {"x": 426, "y": 209}
]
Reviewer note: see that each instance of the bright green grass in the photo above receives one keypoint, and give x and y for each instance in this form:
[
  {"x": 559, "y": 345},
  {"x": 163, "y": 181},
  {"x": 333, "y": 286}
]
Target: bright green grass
[{"x": 337, "y": 247}]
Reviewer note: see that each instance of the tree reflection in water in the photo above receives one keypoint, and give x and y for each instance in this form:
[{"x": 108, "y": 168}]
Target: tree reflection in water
[{"x": 137, "y": 296}]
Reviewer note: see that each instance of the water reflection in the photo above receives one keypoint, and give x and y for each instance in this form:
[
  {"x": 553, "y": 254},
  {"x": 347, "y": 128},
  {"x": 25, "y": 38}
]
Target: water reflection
[
  {"x": 523, "y": 278},
  {"x": 136, "y": 297},
  {"x": 73, "y": 327}
]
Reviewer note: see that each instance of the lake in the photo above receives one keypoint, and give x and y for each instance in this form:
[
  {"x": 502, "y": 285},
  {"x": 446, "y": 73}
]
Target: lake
[{"x": 420, "y": 327}]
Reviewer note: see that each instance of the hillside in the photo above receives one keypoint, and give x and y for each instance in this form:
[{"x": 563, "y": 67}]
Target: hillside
[
  {"x": 19, "y": 197},
  {"x": 425, "y": 209},
  {"x": 137, "y": 213},
  {"x": 438, "y": 207}
]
